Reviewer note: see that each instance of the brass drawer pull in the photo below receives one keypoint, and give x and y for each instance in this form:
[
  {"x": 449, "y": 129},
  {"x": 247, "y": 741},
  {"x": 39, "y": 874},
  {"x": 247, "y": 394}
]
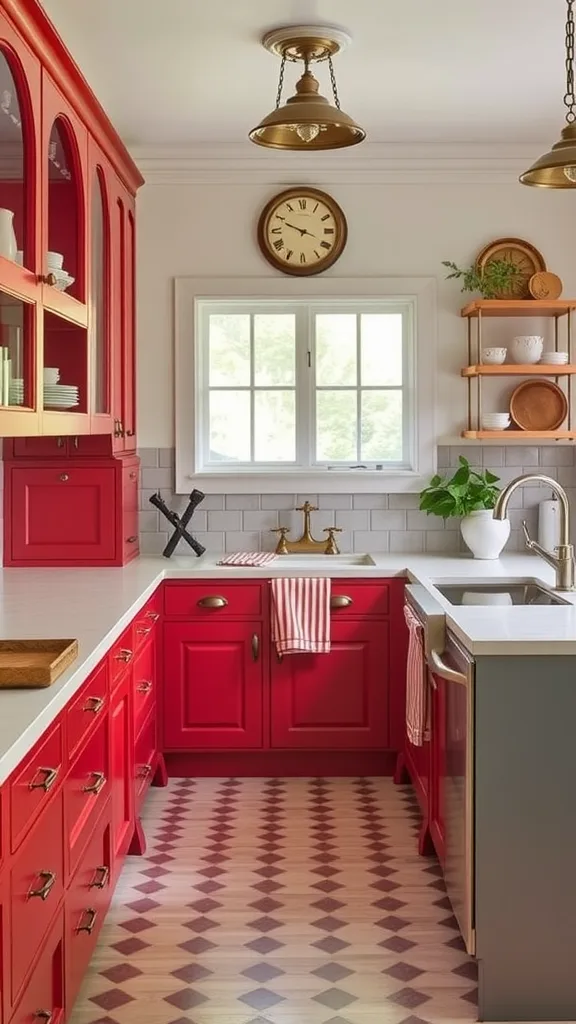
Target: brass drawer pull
[
  {"x": 131, "y": 540},
  {"x": 44, "y": 891},
  {"x": 98, "y": 784},
  {"x": 45, "y": 1015},
  {"x": 212, "y": 601},
  {"x": 94, "y": 704},
  {"x": 88, "y": 926},
  {"x": 143, "y": 630},
  {"x": 145, "y": 770},
  {"x": 341, "y": 601},
  {"x": 51, "y": 280},
  {"x": 45, "y": 783},
  {"x": 255, "y": 647},
  {"x": 153, "y": 615},
  {"x": 101, "y": 876},
  {"x": 124, "y": 655},
  {"x": 64, "y": 477},
  {"x": 145, "y": 686}
]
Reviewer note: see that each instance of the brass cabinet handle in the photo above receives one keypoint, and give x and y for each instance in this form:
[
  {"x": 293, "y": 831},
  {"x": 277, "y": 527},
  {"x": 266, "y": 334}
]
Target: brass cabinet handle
[
  {"x": 255, "y": 647},
  {"x": 44, "y": 891},
  {"x": 76, "y": 442},
  {"x": 130, "y": 433},
  {"x": 340, "y": 601},
  {"x": 64, "y": 477},
  {"x": 143, "y": 630},
  {"x": 132, "y": 475},
  {"x": 101, "y": 876},
  {"x": 94, "y": 704},
  {"x": 212, "y": 601},
  {"x": 45, "y": 1015},
  {"x": 47, "y": 781},
  {"x": 132, "y": 539},
  {"x": 145, "y": 686},
  {"x": 124, "y": 654},
  {"x": 153, "y": 615},
  {"x": 88, "y": 925},
  {"x": 48, "y": 279},
  {"x": 59, "y": 442},
  {"x": 145, "y": 770},
  {"x": 98, "y": 784},
  {"x": 432, "y": 681}
]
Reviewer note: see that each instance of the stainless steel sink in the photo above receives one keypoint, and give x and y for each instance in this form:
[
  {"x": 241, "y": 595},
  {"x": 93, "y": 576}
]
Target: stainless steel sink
[{"x": 517, "y": 592}]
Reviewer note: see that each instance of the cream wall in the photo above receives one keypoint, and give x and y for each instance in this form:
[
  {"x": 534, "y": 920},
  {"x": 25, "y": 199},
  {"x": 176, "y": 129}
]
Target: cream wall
[{"x": 397, "y": 230}]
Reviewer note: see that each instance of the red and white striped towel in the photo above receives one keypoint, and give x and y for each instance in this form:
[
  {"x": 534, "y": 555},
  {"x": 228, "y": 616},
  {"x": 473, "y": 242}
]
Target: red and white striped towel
[
  {"x": 301, "y": 615},
  {"x": 249, "y": 558},
  {"x": 416, "y": 689}
]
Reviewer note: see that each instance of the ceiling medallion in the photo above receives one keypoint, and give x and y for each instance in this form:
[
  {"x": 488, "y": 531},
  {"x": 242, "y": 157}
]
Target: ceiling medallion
[
  {"x": 557, "y": 169},
  {"x": 307, "y": 121}
]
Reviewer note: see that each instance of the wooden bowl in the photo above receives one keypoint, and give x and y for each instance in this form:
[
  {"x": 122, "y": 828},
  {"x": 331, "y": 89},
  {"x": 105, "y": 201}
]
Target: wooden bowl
[
  {"x": 538, "y": 405},
  {"x": 545, "y": 285}
]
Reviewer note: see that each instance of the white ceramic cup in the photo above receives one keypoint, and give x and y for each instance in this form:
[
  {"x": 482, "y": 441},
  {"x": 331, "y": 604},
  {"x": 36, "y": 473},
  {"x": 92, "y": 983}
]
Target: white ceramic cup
[
  {"x": 51, "y": 374},
  {"x": 526, "y": 348},
  {"x": 493, "y": 355},
  {"x": 54, "y": 260}
]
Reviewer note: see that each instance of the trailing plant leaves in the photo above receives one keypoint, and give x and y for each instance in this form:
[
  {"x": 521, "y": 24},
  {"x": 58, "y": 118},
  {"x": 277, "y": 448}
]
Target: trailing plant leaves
[{"x": 466, "y": 491}]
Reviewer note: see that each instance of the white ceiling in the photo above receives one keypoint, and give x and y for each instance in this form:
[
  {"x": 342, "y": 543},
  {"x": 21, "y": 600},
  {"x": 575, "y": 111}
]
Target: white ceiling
[{"x": 181, "y": 72}]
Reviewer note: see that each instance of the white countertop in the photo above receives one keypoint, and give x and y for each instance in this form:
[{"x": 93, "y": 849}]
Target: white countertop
[{"x": 95, "y": 605}]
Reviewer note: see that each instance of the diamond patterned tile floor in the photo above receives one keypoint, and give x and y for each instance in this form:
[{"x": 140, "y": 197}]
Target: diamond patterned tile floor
[{"x": 282, "y": 901}]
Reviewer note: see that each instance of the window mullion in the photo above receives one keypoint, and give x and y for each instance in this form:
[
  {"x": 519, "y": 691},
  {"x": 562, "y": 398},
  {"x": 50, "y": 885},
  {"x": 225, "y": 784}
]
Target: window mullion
[
  {"x": 358, "y": 389},
  {"x": 252, "y": 393},
  {"x": 303, "y": 386}
]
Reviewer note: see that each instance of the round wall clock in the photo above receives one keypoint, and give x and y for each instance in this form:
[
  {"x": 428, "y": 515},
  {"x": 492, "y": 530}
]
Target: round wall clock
[
  {"x": 525, "y": 258},
  {"x": 302, "y": 231}
]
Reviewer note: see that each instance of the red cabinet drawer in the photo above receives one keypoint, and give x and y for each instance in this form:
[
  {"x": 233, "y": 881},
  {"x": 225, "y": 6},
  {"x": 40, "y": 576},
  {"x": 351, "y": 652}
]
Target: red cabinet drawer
[
  {"x": 145, "y": 756},
  {"x": 144, "y": 684},
  {"x": 36, "y": 889},
  {"x": 121, "y": 771},
  {"x": 31, "y": 787},
  {"x": 86, "y": 789},
  {"x": 351, "y": 599},
  {"x": 62, "y": 514},
  {"x": 213, "y": 599},
  {"x": 121, "y": 655},
  {"x": 87, "y": 901},
  {"x": 43, "y": 998},
  {"x": 85, "y": 711}
]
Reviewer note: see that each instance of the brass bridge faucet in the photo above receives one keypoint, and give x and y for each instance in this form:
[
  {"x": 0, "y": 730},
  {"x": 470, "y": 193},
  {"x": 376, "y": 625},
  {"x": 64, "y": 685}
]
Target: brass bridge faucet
[{"x": 306, "y": 541}]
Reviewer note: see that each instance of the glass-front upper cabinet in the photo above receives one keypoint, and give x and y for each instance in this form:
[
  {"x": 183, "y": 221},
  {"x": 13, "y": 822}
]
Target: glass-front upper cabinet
[{"x": 99, "y": 319}]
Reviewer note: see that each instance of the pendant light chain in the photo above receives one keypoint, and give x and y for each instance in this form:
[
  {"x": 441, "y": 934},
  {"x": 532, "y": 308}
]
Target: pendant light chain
[
  {"x": 280, "y": 81},
  {"x": 569, "y": 98},
  {"x": 333, "y": 76}
]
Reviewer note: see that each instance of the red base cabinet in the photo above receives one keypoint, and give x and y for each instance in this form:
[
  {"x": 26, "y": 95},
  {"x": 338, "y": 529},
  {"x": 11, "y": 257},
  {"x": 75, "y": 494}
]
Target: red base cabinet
[
  {"x": 337, "y": 700},
  {"x": 44, "y": 998},
  {"x": 121, "y": 769},
  {"x": 438, "y": 722}
]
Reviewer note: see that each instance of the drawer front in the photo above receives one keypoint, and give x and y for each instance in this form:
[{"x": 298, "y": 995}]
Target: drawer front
[
  {"x": 144, "y": 761},
  {"x": 144, "y": 684},
  {"x": 36, "y": 888},
  {"x": 44, "y": 993},
  {"x": 121, "y": 655},
  {"x": 31, "y": 788},
  {"x": 87, "y": 901},
  {"x": 351, "y": 599},
  {"x": 86, "y": 789},
  {"x": 87, "y": 709},
  {"x": 213, "y": 600}
]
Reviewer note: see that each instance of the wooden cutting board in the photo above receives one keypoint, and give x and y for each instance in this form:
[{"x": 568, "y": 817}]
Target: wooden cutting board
[{"x": 34, "y": 663}]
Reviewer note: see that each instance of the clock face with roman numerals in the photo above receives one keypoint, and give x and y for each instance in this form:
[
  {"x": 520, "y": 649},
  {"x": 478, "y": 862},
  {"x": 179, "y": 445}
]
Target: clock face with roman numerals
[{"x": 302, "y": 231}]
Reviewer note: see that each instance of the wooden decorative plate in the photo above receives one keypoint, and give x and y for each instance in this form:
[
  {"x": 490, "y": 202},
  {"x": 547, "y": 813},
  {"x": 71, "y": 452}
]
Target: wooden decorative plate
[
  {"x": 538, "y": 405},
  {"x": 526, "y": 258},
  {"x": 545, "y": 285}
]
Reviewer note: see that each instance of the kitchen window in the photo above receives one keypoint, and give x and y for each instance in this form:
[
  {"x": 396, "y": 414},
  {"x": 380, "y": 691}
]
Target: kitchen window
[{"x": 305, "y": 392}]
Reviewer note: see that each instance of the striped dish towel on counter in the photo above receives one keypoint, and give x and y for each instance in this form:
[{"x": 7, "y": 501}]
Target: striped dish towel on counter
[
  {"x": 249, "y": 558},
  {"x": 416, "y": 689},
  {"x": 301, "y": 615}
]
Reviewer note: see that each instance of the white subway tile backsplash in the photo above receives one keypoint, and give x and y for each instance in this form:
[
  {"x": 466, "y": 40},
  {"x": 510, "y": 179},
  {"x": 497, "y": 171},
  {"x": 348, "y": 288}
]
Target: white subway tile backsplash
[
  {"x": 242, "y": 501},
  {"x": 557, "y": 455},
  {"x": 357, "y": 520},
  {"x": 421, "y": 521},
  {"x": 277, "y": 501},
  {"x": 446, "y": 542},
  {"x": 374, "y": 542},
  {"x": 407, "y": 542},
  {"x": 522, "y": 455},
  {"x": 148, "y": 457},
  {"x": 260, "y": 521},
  {"x": 388, "y": 520},
  {"x": 370, "y": 501},
  {"x": 223, "y": 521},
  {"x": 149, "y": 522},
  {"x": 213, "y": 502},
  {"x": 153, "y": 543},
  {"x": 156, "y": 478},
  {"x": 401, "y": 501},
  {"x": 166, "y": 457},
  {"x": 335, "y": 501},
  {"x": 242, "y": 541},
  {"x": 493, "y": 456}
]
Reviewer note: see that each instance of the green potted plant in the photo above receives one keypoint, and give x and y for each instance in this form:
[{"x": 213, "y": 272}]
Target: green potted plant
[
  {"x": 472, "y": 496},
  {"x": 493, "y": 281}
]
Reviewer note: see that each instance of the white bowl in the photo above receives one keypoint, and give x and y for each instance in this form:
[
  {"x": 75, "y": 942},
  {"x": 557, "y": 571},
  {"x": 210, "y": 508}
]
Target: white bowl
[
  {"x": 496, "y": 424},
  {"x": 526, "y": 348},
  {"x": 54, "y": 260},
  {"x": 554, "y": 358},
  {"x": 494, "y": 355},
  {"x": 51, "y": 374}
]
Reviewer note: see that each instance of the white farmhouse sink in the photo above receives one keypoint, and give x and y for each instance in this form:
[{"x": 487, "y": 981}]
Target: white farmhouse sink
[{"x": 309, "y": 561}]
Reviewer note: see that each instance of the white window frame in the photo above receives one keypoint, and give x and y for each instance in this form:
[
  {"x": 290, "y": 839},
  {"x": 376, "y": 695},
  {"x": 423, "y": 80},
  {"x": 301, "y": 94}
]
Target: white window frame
[{"x": 418, "y": 295}]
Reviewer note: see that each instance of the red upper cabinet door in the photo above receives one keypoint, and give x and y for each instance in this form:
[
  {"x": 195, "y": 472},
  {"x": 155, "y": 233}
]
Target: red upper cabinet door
[
  {"x": 129, "y": 355},
  {"x": 100, "y": 199},
  {"x": 123, "y": 320},
  {"x": 337, "y": 700},
  {"x": 213, "y": 685}
]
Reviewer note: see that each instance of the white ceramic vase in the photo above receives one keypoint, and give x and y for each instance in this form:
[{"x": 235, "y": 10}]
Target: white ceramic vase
[
  {"x": 484, "y": 535},
  {"x": 526, "y": 348},
  {"x": 8, "y": 244}
]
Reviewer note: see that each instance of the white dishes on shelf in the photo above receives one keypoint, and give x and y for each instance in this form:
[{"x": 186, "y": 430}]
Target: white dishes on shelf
[
  {"x": 526, "y": 348},
  {"x": 495, "y": 420},
  {"x": 492, "y": 356},
  {"x": 60, "y": 396},
  {"x": 54, "y": 265},
  {"x": 51, "y": 374},
  {"x": 54, "y": 260},
  {"x": 554, "y": 358},
  {"x": 16, "y": 391}
]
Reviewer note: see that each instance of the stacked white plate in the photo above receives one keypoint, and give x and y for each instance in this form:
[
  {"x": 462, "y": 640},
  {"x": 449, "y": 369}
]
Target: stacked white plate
[
  {"x": 554, "y": 358},
  {"x": 495, "y": 420},
  {"x": 16, "y": 391},
  {"x": 60, "y": 396}
]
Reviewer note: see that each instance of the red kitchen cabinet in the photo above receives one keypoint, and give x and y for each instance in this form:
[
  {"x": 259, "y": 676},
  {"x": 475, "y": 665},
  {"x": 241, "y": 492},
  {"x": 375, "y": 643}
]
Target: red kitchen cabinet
[
  {"x": 122, "y": 770},
  {"x": 44, "y": 996},
  {"x": 438, "y": 765},
  {"x": 86, "y": 789},
  {"x": 337, "y": 700},
  {"x": 213, "y": 683}
]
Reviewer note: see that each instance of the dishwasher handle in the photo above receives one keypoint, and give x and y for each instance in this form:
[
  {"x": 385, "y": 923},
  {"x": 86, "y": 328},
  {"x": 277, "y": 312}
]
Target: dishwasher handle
[{"x": 444, "y": 671}]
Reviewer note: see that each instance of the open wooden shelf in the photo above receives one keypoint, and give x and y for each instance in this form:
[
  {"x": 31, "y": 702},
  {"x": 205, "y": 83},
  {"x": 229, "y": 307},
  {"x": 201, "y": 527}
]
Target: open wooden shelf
[
  {"x": 506, "y": 435},
  {"x": 519, "y": 370},
  {"x": 518, "y": 307}
]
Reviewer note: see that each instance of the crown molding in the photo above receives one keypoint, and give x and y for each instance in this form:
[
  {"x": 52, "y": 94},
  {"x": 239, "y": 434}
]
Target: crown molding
[{"x": 373, "y": 163}]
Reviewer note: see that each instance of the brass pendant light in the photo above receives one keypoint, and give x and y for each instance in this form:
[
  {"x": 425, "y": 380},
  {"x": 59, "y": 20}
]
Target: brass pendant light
[
  {"x": 557, "y": 169},
  {"x": 307, "y": 120}
]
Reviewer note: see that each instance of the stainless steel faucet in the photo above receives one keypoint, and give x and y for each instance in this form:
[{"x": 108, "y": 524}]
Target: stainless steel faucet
[{"x": 563, "y": 559}]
